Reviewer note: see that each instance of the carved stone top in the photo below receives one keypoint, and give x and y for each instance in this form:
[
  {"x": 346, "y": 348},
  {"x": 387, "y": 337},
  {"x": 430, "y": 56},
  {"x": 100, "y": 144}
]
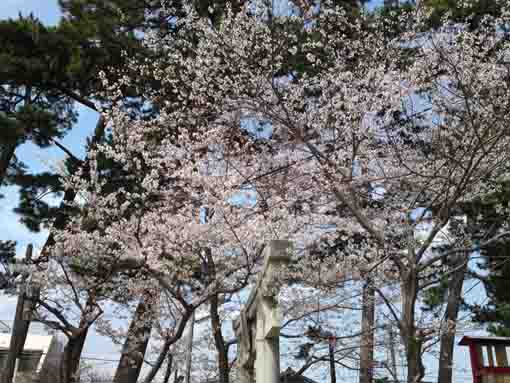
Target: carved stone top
[{"x": 277, "y": 256}]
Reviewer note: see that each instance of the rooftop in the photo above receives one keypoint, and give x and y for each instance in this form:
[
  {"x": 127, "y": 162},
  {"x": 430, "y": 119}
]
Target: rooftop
[{"x": 484, "y": 340}]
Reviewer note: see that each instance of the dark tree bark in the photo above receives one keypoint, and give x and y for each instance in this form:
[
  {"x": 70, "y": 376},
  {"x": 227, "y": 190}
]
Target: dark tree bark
[
  {"x": 70, "y": 361},
  {"x": 189, "y": 354},
  {"x": 168, "y": 368},
  {"x": 367, "y": 334},
  {"x": 413, "y": 341},
  {"x": 332, "y": 366},
  {"x": 219, "y": 341},
  {"x": 69, "y": 367},
  {"x": 392, "y": 365},
  {"x": 168, "y": 342},
  {"x": 177, "y": 378},
  {"x": 452, "y": 311},
  {"x": 137, "y": 339}
]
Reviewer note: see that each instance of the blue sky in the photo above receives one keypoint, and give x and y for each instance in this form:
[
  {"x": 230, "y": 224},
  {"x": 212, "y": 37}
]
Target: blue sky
[{"x": 46, "y": 10}]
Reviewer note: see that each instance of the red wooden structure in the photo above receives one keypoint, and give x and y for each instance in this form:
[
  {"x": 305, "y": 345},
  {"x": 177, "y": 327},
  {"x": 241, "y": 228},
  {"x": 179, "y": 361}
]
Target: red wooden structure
[{"x": 489, "y": 358}]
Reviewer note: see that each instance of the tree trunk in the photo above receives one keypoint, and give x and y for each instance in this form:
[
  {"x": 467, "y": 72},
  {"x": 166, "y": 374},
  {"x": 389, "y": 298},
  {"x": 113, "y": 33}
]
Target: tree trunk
[
  {"x": 332, "y": 367},
  {"x": 392, "y": 365},
  {"x": 189, "y": 355},
  {"x": 6, "y": 154},
  {"x": 415, "y": 368},
  {"x": 168, "y": 342},
  {"x": 69, "y": 368},
  {"x": 136, "y": 342},
  {"x": 412, "y": 340},
  {"x": 159, "y": 362},
  {"x": 21, "y": 325},
  {"x": 219, "y": 342},
  {"x": 452, "y": 310},
  {"x": 168, "y": 368},
  {"x": 70, "y": 361},
  {"x": 367, "y": 334}
]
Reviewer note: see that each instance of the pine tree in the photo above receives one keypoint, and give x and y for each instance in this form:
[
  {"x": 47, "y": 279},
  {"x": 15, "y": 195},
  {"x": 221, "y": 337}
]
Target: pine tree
[
  {"x": 34, "y": 62},
  {"x": 495, "y": 265},
  {"x": 460, "y": 11},
  {"x": 45, "y": 72},
  {"x": 7, "y": 253}
]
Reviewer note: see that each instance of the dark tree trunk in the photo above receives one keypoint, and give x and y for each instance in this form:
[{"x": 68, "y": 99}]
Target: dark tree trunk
[
  {"x": 412, "y": 340},
  {"x": 367, "y": 334},
  {"x": 168, "y": 368},
  {"x": 69, "y": 368},
  {"x": 415, "y": 368},
  {"x": 392, "y": 365},
  {"x": 70, "y": 362},
  {"x": 137, "y": 339},
  {"x": 332, "y": 366},
  {"x": 219, "y": 341},
  {"x": 452, "y": 310},
  {"x": 159, "y": 362},
  {"x": 168, "y": 342},
  {"x": 189, "y": 354}
]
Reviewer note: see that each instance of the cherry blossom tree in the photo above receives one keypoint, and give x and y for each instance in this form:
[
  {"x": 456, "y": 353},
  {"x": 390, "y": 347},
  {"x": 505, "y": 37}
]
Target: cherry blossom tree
[{"x": 372, "y": 127}]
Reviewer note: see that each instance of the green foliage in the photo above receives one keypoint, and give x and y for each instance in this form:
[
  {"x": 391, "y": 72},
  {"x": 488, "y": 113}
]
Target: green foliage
[
  {"x": 34, "y": 211},
  {"x": 490, "y": 216},
  {"x": 456, "y": 11},
  {"x": 7, "y": 253},
  {"x": 496, "y": 311},
  {"x": 34, "y": 65},
  {"x": 434, "y": 298},
  {"x": 44, "y": 71},
  {"x": 33, "y": 54}
]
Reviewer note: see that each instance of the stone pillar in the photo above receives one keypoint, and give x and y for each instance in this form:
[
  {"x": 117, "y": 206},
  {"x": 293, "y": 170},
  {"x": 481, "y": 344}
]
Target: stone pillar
[
  {"x": 258, "y": 326},
  {"x": 267, "y": 362}
]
